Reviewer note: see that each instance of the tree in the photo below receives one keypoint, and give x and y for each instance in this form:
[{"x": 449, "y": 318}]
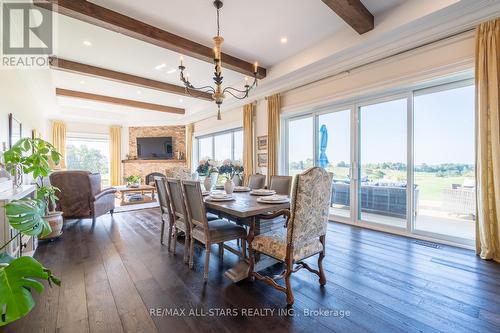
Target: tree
[{"x": 84, "y": 158}]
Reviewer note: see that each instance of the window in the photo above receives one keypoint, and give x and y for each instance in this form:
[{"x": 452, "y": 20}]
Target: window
[
  {"x": 382, "y": 159},
  {"x": 221, "y": 146},
  {"x": 403, "y": 162},
  {"x": 300, "y": 139},
  {"x": 89, "y": 153},
  {"x": 334, "y": 154},
  {"x": 444, "y": 161}
]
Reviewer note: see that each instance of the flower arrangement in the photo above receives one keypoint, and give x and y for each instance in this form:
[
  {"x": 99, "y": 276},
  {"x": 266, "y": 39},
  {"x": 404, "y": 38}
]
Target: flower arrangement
[
  {"x": 231, "y": 169},
  {"x": 206, "y": 167}
]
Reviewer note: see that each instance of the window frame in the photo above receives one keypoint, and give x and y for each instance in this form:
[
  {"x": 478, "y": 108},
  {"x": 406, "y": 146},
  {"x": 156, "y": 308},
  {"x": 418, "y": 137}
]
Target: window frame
[
  {"x": 212, "y": 136},
  {"x": 354, "y": 104}
]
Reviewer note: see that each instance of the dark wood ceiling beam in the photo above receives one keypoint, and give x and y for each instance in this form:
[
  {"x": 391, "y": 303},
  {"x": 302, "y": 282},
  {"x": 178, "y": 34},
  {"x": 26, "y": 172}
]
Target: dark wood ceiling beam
[
  {"x": 89, "y": 70},
  {"x": 111, "y": 20},
  {"x": 354, "y": 13},
  {"x": 118, "y": 101}
]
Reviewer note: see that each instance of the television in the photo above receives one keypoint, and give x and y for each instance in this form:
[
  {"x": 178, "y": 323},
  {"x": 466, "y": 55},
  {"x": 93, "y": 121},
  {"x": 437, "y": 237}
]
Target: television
[{"x": 160, "y": 148}]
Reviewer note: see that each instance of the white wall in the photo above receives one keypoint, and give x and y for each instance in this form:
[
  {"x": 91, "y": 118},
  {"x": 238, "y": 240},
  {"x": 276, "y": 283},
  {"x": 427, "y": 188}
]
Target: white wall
[
  {"x": 415, "y": 67},
  {"x": 16, "y": 97}
]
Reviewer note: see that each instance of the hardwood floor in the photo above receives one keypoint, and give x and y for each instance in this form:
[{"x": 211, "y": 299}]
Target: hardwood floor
[{"x": 115, "y": 274}]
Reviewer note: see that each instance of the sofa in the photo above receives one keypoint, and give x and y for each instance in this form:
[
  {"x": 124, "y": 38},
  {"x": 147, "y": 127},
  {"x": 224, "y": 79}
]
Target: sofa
[
  {"x": 81, "y": 195},
  {"x": 388, "y": 200}
]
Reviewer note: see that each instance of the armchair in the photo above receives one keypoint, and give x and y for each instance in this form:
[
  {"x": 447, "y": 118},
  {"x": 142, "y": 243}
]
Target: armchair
[
  {"x": 81, "y": 194},
  {"x": 304, "y": 232}
]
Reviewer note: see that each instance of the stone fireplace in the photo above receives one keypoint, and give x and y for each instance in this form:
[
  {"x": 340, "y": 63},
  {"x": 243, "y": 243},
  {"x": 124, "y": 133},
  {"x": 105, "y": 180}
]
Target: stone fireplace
[
  {"x": 144, "y": 168},
  {"x": 150, "y": 178}
]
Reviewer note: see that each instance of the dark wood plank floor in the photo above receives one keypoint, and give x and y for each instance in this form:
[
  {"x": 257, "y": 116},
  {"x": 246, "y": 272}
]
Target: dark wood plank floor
[{"x": 114, "y": 274}]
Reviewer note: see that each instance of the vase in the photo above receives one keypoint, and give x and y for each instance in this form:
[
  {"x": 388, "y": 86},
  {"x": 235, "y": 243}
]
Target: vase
[
  {"x": 208, "y": 183},
  {"x": 55, "y": 220},
  {"x": 229, "y": 186},
  {"x": 17, "y": 180}
]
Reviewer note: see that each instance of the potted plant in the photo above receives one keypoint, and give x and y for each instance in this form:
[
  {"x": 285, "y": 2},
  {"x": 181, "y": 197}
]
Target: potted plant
[
  {"x": 133, "y": 181},
  {"x": 230, "y": 169},
  {"x": 33, "y": 156},
  {"x": 18, "y": 277},
  {"x": 207, "y": 167}
]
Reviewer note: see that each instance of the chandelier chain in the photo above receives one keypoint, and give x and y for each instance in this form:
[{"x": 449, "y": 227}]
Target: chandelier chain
[{"x": 218, "y": 22}]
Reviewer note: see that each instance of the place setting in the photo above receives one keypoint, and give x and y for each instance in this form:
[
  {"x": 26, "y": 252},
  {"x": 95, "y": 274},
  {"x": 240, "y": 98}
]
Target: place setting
[
  {"x": 262, "y": 192},
  {"x": 220, "y": 197},
  {"x": 274, "y": 199}
]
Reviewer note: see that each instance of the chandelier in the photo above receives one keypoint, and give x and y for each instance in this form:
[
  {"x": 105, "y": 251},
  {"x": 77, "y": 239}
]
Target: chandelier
[{"x": 218, "y": 93}]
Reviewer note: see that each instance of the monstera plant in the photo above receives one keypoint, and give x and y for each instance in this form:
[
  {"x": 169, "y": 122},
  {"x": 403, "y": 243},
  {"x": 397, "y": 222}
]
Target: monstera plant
[{"x": 19, "y": 277}]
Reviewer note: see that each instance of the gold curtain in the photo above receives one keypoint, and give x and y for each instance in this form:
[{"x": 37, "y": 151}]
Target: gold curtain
[
  {"x": 488, "y": 140},
  {"x": 59, "y": 141},
  {"x": 273, "y": 133},
  {"x": 189, "y": 146},
  {"x": 115, "y": 142},
  {"x": 248, "y": 114}
]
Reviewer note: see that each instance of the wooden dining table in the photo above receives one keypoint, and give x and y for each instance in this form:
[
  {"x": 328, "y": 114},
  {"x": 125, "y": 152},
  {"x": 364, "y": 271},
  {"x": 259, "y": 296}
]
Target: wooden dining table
[{"x": 245, "y": 210}]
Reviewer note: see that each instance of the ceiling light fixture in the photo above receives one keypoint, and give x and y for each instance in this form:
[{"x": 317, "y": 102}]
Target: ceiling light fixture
[
  {"x": 284, "y": 40},
  {"x": 160, "y": 67},
  {"x": 218, "y": 93},
  {"x": 172, "y": 70},
  {"x": 87, "y": 43},
  {"x": 82, "y": 82}
]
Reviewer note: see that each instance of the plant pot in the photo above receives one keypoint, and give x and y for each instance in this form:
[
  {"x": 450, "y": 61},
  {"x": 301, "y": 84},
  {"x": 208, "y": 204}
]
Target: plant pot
[
  {"x": 55, "y": 220},
  {"x": 133, "y": 185},
  {"x": 229, "y": 186}
]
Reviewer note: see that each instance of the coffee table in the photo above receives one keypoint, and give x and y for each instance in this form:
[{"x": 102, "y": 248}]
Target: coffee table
[{"x": 142, "y": 189}]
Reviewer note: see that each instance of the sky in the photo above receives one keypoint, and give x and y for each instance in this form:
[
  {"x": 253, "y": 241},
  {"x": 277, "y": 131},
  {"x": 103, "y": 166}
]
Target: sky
[{"x": 443, "y": 127}]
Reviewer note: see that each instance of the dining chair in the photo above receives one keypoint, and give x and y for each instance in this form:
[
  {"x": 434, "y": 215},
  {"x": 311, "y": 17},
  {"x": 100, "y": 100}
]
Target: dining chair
[
  {"x": 174, "y": 191},
  {"x": 207, "y": 233},
  {"x": 281, "y": 184},
  {"x": 178, "y": 214},
  {"x": 165, "y": 207},
  {"x": 304, "y": 234},
  {"x": 256, "y": 181}
]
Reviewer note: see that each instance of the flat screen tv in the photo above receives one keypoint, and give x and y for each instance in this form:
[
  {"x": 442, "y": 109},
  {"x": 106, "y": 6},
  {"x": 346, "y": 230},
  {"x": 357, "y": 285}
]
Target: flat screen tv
[{"x": 155, "y": 148}]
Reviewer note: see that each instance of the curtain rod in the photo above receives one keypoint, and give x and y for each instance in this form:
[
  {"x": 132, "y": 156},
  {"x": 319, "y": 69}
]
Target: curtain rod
[{"x": 382, "y": 59}]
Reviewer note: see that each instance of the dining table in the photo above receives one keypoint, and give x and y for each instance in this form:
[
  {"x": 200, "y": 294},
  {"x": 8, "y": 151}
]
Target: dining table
[{"x": 244, "y": 209}]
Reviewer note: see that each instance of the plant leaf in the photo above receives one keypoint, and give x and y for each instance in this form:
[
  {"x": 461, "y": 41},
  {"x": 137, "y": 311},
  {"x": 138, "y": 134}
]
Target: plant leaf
[{"x": 17, "y": 278}]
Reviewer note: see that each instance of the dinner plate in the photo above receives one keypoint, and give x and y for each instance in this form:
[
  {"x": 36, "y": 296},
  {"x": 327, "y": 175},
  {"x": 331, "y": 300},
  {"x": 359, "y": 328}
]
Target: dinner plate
[
  {"x": 263, "y": 192},
  {"x": 221, "y": 199},
  {"x": 205, "y": 193},
  {"x": 242, "y": 189},
  {"x": 219, "y": 187},
  {"x": 283, "y": 200}
]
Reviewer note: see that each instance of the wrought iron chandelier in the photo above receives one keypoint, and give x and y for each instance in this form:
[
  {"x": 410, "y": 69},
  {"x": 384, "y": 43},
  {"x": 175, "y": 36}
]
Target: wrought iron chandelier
[{"x": 218, "y": 93}]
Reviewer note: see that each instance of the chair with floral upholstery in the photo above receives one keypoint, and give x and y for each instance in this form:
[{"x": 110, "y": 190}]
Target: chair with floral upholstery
[{"x": 304, "y": 232}]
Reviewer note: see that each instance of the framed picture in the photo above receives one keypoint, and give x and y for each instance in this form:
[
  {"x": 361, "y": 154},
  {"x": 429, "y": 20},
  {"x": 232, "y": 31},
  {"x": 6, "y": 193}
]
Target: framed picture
[
  {"x": 262, "y": 159},
  {"x": 262, "y": 142},
  {"x": 15, "y": 130}
]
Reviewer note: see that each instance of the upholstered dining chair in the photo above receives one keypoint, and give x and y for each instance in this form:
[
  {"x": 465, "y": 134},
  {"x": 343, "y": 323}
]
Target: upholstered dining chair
[
  {"x": 256, "y": 181},
  {"x": 176, "y": 199},
  {"x": 179, "y": 215},
  {"x": 304, "y": 234},
  {"x": 165, "y": 208},
  {"x": 281, "y": 184},
  {"x": 207, "y": 233}
]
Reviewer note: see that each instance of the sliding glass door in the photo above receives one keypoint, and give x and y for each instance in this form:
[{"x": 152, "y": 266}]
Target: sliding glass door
[
  {"x": 382, "y": 159},
  {"x": 334, "y": 154},
  {"x": 300, "y": 150},
  {"x": 444, "y": 169},
  {"x": 403, "y": 163}
]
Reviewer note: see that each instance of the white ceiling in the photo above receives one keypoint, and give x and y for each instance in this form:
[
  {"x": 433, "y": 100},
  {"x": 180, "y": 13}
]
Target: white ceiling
[{"x": 252, "y": 31}]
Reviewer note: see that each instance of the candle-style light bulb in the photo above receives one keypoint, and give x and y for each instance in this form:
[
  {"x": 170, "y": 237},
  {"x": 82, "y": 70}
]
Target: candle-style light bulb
[
  {"x": 182, "y": 60},
  {"x": 256, "y": 66},
  {"x": 246, "y": 80}
]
